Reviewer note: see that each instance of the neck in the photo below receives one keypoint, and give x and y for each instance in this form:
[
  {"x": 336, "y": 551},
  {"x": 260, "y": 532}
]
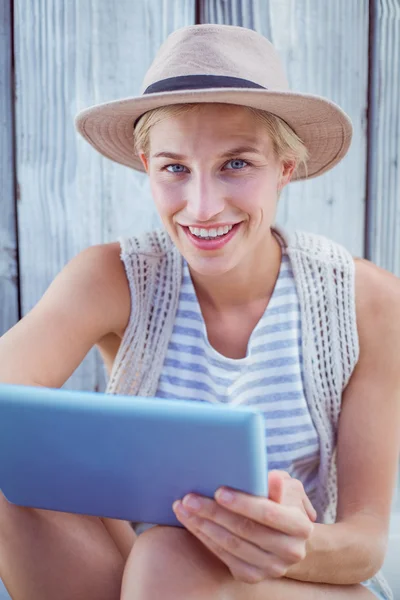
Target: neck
[{"x": 250, "y": 282}]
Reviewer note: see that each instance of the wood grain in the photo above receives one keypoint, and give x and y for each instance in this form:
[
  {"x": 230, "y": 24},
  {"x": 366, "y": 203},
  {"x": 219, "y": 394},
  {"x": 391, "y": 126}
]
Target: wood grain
[
  {"x": 324, "y": 47},
  {"x": 8, "y": 243},
  {"x": 70, "y": 55},
  {"x": 384, "y": 157}
]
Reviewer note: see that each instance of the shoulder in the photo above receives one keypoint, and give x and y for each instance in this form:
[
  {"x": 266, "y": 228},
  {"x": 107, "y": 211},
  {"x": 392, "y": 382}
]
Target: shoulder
[
  {"x": 109, "y": 269},
  {"x": 377, "y": 300},
  {"x": 377, "y": 290},
  {"x": 99, "y": 272},
  {"x": 100, "y": 263}
]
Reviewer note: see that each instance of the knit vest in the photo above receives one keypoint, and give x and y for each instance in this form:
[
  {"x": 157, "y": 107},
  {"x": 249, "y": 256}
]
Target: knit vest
[{"x": 324, "y": 274}]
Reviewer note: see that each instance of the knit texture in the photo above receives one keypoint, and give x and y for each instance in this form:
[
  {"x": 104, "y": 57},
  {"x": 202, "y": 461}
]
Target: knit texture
[
  {"x": 324, "y": 274},
  {"x": 154, "y": 271}
]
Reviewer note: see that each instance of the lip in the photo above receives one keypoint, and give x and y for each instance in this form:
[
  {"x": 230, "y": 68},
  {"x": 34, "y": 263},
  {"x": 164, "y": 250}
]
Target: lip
[
  {"x": 214, "y": 244},
  {"x": 214, "y": 226}
]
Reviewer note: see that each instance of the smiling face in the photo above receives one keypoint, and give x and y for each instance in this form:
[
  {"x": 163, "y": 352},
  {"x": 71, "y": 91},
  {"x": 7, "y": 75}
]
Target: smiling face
[{"x": 215, "y": 179}]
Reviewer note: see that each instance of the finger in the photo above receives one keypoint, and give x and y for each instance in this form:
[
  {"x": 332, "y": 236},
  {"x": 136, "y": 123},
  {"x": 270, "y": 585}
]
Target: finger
[
  {"x": 287, "y": 519},
  {"x": 239, "y": 568},
  {"x": 280, "y": 473},
  {"x": 310, "y": 510},
  {"x": 284, "y": 474},
  {"x": 293, "y": 493},
  {"x": 226, "y": 540},
  {"x": 268, "y": 540},
  {"x": 275, "y": 485}
]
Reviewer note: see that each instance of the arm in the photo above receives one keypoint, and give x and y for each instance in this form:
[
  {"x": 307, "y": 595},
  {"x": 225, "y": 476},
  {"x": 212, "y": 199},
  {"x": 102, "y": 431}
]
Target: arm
[
  {"x": 88, "y": 300},
  {"x": 341, "y": 553},
  {"x": 353, "y": 549}
]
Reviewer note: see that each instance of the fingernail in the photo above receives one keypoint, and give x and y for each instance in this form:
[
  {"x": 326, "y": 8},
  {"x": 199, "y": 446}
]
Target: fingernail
[
  {"x": 192, "y": 503},
  {"x": 224, "y": 496},
  {"x": 178, "y": 508}
]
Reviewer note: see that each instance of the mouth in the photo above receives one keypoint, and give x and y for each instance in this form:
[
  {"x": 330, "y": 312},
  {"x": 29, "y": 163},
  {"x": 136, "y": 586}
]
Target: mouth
[{"x": 211, "y": 238}]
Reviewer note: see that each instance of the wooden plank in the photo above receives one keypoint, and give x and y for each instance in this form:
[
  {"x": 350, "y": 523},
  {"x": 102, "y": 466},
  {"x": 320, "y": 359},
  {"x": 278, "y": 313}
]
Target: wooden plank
[
  {"x": 254, "y": 15},
  {"x": 9, "y": 313},
  {"x": 383, "y": 226},
  {"x": 324, "y": 47},
  {"x": 71, "y": 55}
]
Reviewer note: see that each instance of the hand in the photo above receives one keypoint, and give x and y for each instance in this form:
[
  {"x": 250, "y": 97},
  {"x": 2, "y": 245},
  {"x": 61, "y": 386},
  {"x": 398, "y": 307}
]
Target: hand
[
  {"x": 256, "y": 537},
  {"x": 289, "y": 492}
]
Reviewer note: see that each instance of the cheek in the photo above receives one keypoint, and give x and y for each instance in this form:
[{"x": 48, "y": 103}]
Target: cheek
[
  {"x": 254, "y": 194},
  {"x": 167, "y": 198}
]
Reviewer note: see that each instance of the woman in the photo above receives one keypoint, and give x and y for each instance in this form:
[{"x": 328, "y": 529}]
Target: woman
[{"x": 223, "y": 305}]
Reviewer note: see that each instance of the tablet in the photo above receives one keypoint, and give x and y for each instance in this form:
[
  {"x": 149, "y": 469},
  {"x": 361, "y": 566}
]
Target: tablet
[{"x": 124, "y": 457}]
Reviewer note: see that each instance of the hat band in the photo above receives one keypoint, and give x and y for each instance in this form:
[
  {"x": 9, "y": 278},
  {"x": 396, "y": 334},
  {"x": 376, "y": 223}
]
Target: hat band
[{"x": 196, "y": 82}]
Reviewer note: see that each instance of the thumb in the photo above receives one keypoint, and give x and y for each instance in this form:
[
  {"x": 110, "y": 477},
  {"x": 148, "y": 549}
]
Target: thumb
[{"x": 275, "y": 486}]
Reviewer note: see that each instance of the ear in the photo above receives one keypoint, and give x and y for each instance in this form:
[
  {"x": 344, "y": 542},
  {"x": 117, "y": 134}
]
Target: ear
[
  {"x": 286, "y": 175},
  {"x": 144, "y": 160}
]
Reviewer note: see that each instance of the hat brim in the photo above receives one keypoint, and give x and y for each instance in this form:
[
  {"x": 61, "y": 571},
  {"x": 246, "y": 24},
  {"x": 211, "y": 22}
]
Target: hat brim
[{"x": 322, "y": 125}]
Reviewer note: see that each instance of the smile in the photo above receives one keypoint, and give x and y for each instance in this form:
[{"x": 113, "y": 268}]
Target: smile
[
  {"x": 212, "y": 238},
  {"x": 208, "y": 234}
]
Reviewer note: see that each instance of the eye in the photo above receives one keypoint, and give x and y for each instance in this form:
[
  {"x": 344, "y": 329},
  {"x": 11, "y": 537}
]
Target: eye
[
  {"x": 237, "y": 164},
  {"x": 175, "y": 168}
]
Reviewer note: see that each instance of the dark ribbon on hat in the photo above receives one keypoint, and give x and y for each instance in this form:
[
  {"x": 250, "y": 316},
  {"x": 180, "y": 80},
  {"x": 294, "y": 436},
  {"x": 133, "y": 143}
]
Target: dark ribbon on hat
[{"x": 198, "y": 82}]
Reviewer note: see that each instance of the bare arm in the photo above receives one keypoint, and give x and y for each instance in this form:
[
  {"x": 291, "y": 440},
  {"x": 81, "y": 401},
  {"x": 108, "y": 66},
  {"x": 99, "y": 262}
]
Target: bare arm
[
  {"x": 353, "y": 549},
  {"x": 88, "y": 300}
]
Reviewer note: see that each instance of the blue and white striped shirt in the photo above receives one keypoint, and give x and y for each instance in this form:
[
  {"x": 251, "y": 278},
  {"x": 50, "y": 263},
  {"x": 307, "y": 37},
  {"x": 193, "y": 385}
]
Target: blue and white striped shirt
[{"x": 269, "y": 377}]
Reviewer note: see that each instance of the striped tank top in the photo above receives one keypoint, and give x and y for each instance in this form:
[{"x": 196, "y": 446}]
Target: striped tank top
[{"x": 269, "y": 378}]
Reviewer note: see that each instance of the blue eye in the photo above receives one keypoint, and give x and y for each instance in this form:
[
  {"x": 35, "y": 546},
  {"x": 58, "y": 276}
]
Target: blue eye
[
  {"x": 237, "y": 164},
  {"x": 179, "y": 170}
]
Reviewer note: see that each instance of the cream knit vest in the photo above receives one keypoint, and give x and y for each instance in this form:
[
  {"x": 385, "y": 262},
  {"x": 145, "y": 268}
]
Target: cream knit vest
[{"x": 324, "y": 276}]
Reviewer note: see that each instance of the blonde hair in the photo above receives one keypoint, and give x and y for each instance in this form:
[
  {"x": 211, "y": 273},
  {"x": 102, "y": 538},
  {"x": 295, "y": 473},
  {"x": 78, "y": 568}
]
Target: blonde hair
[{"x": 287, "y": 145}]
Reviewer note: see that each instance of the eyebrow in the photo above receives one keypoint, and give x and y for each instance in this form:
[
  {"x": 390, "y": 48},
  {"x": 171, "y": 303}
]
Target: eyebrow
[{"x": 227, "y": 154}]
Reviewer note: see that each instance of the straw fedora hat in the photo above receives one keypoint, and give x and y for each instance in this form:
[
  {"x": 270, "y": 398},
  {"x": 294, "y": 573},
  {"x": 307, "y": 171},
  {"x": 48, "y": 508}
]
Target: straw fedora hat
[{"x": 224, "y": 64}]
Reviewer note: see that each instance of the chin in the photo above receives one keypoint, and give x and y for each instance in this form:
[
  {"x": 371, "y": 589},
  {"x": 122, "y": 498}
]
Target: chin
[{"x": 210, "y": 266}]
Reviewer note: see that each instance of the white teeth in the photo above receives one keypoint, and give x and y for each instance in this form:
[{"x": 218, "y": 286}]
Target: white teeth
[{"x": 210, "y": 233}]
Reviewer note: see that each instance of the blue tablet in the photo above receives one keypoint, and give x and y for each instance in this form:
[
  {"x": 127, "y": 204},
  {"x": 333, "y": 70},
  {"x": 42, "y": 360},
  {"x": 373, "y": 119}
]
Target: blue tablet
[{"x": 124, "y": 457}]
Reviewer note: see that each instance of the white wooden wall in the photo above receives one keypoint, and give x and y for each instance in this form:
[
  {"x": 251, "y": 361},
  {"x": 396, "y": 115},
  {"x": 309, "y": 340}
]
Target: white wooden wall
[
  {"x": 383, "y": 227},
  {"x": 69, "y": 55},
  {"x": 9, "y": 310}
]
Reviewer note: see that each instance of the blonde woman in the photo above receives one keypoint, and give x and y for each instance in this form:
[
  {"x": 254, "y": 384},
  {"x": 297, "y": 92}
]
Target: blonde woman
[{"x": 223, "y": 305}]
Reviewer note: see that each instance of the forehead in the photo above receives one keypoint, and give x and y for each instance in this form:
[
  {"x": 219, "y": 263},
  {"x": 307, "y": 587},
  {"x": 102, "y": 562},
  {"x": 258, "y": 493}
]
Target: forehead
[{"x": 221, "y": 123}]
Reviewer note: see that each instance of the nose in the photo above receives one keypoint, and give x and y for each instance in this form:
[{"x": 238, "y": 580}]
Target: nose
[{"x": 205, "y": 198}]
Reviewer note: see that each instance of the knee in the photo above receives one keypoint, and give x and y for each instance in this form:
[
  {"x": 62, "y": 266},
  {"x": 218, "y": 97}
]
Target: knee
[
  {"x": 43, "y": 551},
  {"x": 170, "y": 563},
  {"x": 10, "y": 517}
]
